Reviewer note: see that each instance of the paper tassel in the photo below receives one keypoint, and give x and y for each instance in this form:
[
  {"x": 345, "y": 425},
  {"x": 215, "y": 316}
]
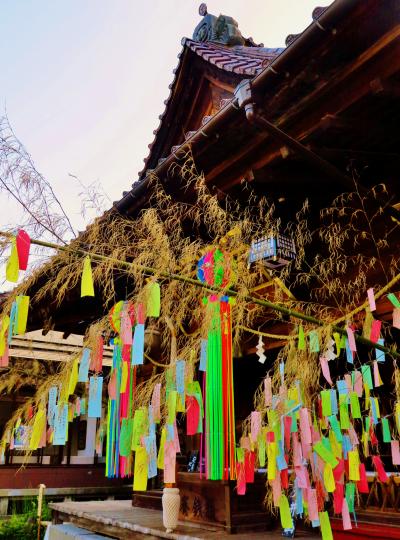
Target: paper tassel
[
  {"x": 87, "y": 278},
  {"x": 12, "y": 268},
  {"x": 260, "y": 351},
  {"x": 23, "y": 243}
]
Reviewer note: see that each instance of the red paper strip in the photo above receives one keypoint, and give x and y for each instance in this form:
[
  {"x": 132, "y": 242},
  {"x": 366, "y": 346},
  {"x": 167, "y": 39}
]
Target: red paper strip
[
  {"x": 285, "y": 478},
  {"x": 96, "y": 360},
  {"x": 23, "y": 246},
  {"x": 140, "y": 314},
  {"x": 375, "y": 330},
  {"x": 288, "y": 426},
  {"x": 241, "y": 479},
  {"x": 249, "y": 462},
  {"x": 338, "y": 498},
  {"x": 362, "y": 484},
  {"x": 338, "y": 471},
  {"x": 192, "y": 415},
  {"x": 383, "y": 477}
]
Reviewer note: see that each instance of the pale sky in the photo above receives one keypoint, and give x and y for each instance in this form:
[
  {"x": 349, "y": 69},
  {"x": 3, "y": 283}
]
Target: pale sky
[{"x": 84, "y": 81}]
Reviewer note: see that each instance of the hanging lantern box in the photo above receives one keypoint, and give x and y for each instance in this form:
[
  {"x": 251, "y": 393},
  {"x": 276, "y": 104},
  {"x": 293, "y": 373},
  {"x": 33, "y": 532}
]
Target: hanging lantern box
[{"x": 274, "y": 250}]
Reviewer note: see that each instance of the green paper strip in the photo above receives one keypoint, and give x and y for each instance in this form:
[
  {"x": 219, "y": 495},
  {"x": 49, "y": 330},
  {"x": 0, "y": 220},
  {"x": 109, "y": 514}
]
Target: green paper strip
[
  {"x": 350, "y": 492},
  {"x": 326, "y": 402},
  {"x": 335, "y": 428},
  {"x": 302, "y": 342},
  {"x": 394, "y": 300},
  {"x": 367, "y": 376},
  {"x": 344, "y": 415},
  {"x": 355, "y": 405},
  {"x": 314, "y": 341},
  {"x": 325, "y": 454},
  {"x": 386, "y": 430}
]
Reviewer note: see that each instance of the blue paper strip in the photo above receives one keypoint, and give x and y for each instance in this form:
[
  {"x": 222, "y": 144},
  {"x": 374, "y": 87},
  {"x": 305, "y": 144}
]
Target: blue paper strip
[
  {"x": 138, "y": 345},
  {"x": 180, "y": 376},
  {"x": 95, "y": 392},
  {"x": 342, "y": 387},
  {"x": 52, "y": 405},
  {"x": 60, "y": 425},
  {"x": 349, "y": 353},
  {"x": 203, "y": 355},
  {"x": 334, "y": 404},
  {"x": 380, "y": 355},
  {"x": 151, "y": 449},
  {"x": 84, "y": 365}
]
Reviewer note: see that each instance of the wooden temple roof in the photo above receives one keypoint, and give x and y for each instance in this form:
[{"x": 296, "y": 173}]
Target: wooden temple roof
[{"x": 334, "y": 89}]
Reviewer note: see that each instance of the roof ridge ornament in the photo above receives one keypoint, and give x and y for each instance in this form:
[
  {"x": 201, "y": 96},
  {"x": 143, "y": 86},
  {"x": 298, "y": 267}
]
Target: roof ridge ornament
[{"x": 222, "y": 29}]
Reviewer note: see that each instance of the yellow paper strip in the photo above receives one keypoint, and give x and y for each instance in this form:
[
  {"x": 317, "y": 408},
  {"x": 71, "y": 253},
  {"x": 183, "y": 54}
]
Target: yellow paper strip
[
  {"x": 12, "y": 268},
  {"x": 284, "y": 511},
  {"x": 140, "y": 472},
  {"x": 87, "y": 279},
  {"x": 23, "y": 307}
]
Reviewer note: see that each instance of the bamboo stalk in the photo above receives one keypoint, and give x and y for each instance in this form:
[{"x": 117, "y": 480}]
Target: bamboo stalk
[{"x": 229, "y": 292}]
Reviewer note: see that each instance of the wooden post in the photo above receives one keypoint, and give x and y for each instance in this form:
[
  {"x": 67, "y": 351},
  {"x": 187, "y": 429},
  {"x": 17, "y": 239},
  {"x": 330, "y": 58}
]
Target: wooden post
[{"x": 39, "y": 509}]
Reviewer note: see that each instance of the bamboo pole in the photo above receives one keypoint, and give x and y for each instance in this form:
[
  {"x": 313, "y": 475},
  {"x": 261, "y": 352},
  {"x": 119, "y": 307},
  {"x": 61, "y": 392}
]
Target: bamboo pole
[
  {"x": 39, "y": 510},
  {"x": 229, "y": 292}
]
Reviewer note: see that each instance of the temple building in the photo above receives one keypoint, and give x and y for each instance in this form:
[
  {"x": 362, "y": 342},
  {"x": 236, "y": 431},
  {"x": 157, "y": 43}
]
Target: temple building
[{"x": 309, "y": 121}]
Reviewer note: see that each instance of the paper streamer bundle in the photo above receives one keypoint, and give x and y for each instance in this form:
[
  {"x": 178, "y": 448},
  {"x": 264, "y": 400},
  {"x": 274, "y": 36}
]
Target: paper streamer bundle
[{"x": 215, "y": 268}]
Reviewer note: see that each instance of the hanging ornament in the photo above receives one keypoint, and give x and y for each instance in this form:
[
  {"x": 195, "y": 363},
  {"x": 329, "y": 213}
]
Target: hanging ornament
[
  {"x": 216, "y": 268},
  {"x": 260, "y": 350}
]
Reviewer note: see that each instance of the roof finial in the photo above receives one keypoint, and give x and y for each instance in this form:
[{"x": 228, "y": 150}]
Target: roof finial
[{"x": 203, "y": 9}]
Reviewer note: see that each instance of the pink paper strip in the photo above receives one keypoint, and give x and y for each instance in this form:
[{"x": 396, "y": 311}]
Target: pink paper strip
[
  {"x": 155, "y": 402},
  {"x": 346, "y": 516},
  {"x": 349, "y": 384},
  {"x": 312, "y": 504},
  {"x": 371, "y": 299},
  {"x": 396, "y": 318},
  {"x": 351, "y": 339},
  {"x": 395, "y": 452},
  {"x": 325, "y": 369},
  {"x": 305, "y": 430},
  {"x": 169, "y": 462},
  {"x": 255, "y": 425},
  {"x": 358, "y": 383},
  {"x": 268, "y": 391},
  {"x": 276, "y": 489},
  {"x": 303, "y": 480}
]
